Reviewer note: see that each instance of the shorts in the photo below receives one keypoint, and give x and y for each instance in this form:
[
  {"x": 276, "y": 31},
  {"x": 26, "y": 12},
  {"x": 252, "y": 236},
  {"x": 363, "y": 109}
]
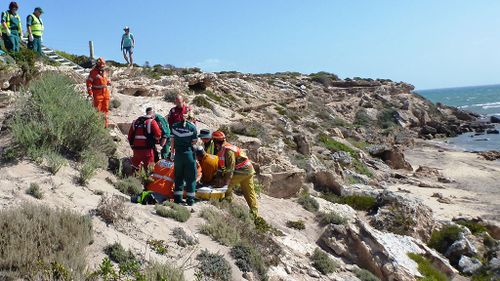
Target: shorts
[{"x": 128, "y": 50}]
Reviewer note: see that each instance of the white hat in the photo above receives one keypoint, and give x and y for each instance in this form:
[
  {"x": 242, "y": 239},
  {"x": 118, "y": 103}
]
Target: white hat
[{"x": 126, "y": 28}]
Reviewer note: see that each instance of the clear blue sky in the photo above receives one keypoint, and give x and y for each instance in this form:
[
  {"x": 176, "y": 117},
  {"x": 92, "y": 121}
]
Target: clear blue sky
[{"x": 429, "y": 43}]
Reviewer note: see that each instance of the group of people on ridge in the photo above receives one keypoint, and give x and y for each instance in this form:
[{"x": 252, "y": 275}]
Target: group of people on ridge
[{"x": 12, "y": 30}]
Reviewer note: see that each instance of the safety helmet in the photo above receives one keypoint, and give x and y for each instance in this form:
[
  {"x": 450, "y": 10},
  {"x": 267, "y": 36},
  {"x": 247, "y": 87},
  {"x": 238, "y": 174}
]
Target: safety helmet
[
  {"x": 218, "y": 136},
  {"x": 199, "y": 150},
  {"x": 101, "y": 62}
]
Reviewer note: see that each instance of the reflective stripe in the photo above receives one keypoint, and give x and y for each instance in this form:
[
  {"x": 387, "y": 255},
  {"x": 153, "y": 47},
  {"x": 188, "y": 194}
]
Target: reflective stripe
[
  {"x": 191, "y": 194},
  {"x": 178, "y": 192},
  {"x": 162, "y": 177},
  {"x": 90, "y": 79},
  {"x": 139, "y": 137},
  {"x": 100, "y": 87},
  {"x": 36, "y": 25},
  {"x": 148, "y": 125},
  {"x": 181, "y": 135},
  {"x": 243, "y": 164}
]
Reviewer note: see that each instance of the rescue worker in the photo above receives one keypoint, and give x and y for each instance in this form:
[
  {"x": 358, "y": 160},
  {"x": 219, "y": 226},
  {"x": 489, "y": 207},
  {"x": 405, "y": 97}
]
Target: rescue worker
[
  {"x": 128, "y": 45},
  {"x": 165, "y": 134},
  {"x": 97, "y": 88},
  {"x": 208, "y": 143},
  {"x": 143, "y": 135},
  {"x": 184, "y": 136},
  {"x": 236, "y": 169},
  {"x": 35, "y": 30},
  {"x": 176, "y": 113},
  {"x": 12, "y": 30},
  {"x": 209, "y": 165}
]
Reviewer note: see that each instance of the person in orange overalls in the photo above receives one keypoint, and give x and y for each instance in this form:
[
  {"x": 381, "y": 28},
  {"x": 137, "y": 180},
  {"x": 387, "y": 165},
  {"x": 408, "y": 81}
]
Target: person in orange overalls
[{"x": 97, "y": 88}]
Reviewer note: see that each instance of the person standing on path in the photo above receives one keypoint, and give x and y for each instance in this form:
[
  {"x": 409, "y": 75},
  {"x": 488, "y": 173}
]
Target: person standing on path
[
  {"x": 128, "y": 45},
  {"x": 185, "y": 135},
  {"x": 35, "y": 28},
  {"x": 12, "y": 30},
  {"x": 97, "y": 88}
]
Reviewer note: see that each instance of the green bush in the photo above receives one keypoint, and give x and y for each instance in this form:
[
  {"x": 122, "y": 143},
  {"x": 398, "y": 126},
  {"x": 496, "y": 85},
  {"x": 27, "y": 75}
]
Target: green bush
[
  {"x": 365, "y": 275},
  {"x": 35, "y": 191},
  {"x": 91, "y": 161},
  {"x": 330, "y": 218},
  {"x": 213, "y": 266},
  {"x": 442, "y": 239},
  {"x": 131, "y": 186},
  {"x": 322, "y": 262},
  {"x": 386, "y": 118},
  {"x": 118, "y": 254},
  {"x": 114, "y": 103},
  {"x": 308, "y": 202},
  {"x": 54, "y": 161},
  {"x": 248, "y": 259},
  {"x": 299, "y": 225},
  {"x": 361, "y": 168},
  {"x": 160, "y": 272},
  {"x": 26, "y": 59},
  {"x": 201, "y": 101},
  {"x": 324, "y": 78},
  {"x": 426, "y": 268},
  {"x": 183, "y": 238},
  {"x": 362, "y": 119},
  {"x": 38, "y": 242},
  {"x": 356, "y": 201},
  {"x": 82, "y": 61},
  {"x": 213, "y": 96},
  {"x": 474, "y": 227},
  {"x": 218, "y": 227},
  {"x": 159, "y": 246},
  {"x": 334, "y": 145},
  {"x": 174, "y": 211}
]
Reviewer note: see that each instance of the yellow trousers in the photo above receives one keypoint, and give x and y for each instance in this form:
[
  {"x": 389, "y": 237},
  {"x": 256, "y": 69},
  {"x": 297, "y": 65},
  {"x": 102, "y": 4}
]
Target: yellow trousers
[{"x": 247, "y": 188}]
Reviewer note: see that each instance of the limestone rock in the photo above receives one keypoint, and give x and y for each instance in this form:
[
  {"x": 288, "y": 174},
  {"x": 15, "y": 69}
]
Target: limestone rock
[
  {"x": 327, "y": 181},
  {"x": 469, "y": 265},
  {"x": 392, "y": 156},
  {"x": 460, "y": 248},
  {"x": 284, "y": 184},
  {"x": 303, "y": 145}
]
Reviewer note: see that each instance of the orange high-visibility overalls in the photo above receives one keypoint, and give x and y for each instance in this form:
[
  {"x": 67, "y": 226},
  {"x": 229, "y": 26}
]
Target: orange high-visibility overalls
[{"x": 97, "y": 87}]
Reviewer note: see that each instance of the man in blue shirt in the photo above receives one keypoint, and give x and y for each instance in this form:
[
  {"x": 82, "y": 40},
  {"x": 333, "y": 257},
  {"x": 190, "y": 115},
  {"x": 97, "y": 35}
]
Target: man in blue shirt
[{"x": 127, "y": 45}]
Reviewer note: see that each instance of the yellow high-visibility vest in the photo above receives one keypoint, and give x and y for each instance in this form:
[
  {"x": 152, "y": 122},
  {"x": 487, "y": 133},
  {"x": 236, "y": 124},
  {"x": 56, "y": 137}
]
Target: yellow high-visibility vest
[
  {"x": 36, "y": 26},
  {"x": 20, "y": 29}
]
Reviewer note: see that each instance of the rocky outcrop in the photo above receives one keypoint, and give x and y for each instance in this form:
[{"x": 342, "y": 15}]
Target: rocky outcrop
[
  {"x": 384, "y": 254},
  {"x": 392, "y": 156},
  {"x": 490, "y": 155}
]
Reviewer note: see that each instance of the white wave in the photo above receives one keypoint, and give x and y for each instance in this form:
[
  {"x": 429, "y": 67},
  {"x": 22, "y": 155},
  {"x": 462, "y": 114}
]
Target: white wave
[{"x": 483, "y": 105}]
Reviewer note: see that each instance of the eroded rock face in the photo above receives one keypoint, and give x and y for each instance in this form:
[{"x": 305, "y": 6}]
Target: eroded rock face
[
  {"x": 8, "y": 76},
  {"x": 303, "y": 145},
  {"x": 327, "y": 181},
  {"x": 384, "y": 254},
  {"x": 285, "y": 184},
  {"x": 392, "y": 156}
]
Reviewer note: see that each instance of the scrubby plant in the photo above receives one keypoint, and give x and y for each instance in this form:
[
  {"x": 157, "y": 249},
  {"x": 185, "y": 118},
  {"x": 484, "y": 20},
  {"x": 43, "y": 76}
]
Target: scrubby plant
[
  {"x": 387, "y": 118},
  {"x": 130, "y": 186},
  {"x": 308, "y": 202},
  {"x": 183, "y": 238},
  {"x": 159, "y": 272},
  {"x": 322, "y": 262},
  {"x": 299, "y": 224},
  {"x": 213, "y": 266},
  {"x": 361, "y": 168},
  {"x": 218, "y": 227},
  {"x": 54, "y": 161},
  {"x": 174, "y": 211},
  {"x": 171, "y": 94},
  {"x": 201, "y": 101},
  {"x": 248, "y": 259},
  {"x": 426, "y": 268},
  {"x": 38, "y": 242},
  {"x": 330, "y": 218},
  {"x": 112, "y": 209},
  {"x": 443, "y": 238},
  {"x": 9, "y": 155},
  {"x": 324, "y": 78},
  {"x": 356, "y": 201},
  {"x": 114, "y": 103},
  {"x": 159, "y": 246},
  {"x": 35, "y": 191},
  {"x": 362, "y": 119},
  {"x": 335, "y": 146},
  {"x": 91, "y": 161},
  {"x": 365, "y": 275},
  {"x": 474, "y": 227},
  {"x": 118, "y": 254},
  {"x": 212, "y": 96},
  {"x": 81, "y": 60},
  {"x": 26, "y": 59}
]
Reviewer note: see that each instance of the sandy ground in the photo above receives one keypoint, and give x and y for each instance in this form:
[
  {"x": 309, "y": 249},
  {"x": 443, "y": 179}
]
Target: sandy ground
[{"x": 476, "y": 187}]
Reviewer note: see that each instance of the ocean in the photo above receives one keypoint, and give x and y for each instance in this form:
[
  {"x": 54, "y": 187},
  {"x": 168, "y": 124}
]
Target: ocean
[{"x": 484, "y": 100}]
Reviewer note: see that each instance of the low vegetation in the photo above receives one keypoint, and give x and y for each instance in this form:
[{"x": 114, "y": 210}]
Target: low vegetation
[
  {"x": 112, "y": 209},
  {"x": 218, "y": 228},
  {"x": 426, "y": 268},
  {"x": 114, "y": 103},
  {"x": 322, "y": 262},
  {"x": 118, "y": 254},
  {"x": 474, "y": 227},
  {"x": 299, "y": 224},
  {"x": 40, "y": 243},
  {"x": 173, "y": 211},
  {"x": 365, "y": 275},
  {"x": 213, "y": 266},
  {"x": 387, "y": 118},
  {"x": 248, "y": 259},
  {"x": 183, "y": 239},
  {"x": 443, "y": 238},
  {"x": 201, "y": 101},
  {"x": 335, "y": 146},
  {"x": 362, "y": 119},
  {"x": 167, "y": 272},
  {"x": 35, "y": 191},
  {"x": 83, "y": 61},
  {"x": 54, "y": 162},
  {"x": 130, "y": 186},
  {"x": 330, "y": 218},
  {"x": 159, "y": 246},
  {"x": 356, "y": 201},
  {"x": 324, "y": 78},
  {"x": 308, "y": 202},
  {"x": 26, "y": 59}
]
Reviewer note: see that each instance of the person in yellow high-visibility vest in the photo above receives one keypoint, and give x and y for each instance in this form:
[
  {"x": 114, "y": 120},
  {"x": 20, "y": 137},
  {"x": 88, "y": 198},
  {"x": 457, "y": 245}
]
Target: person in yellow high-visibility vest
[
  {"x": 35, "y": 29},
  {"x": 11, "y": 27}
]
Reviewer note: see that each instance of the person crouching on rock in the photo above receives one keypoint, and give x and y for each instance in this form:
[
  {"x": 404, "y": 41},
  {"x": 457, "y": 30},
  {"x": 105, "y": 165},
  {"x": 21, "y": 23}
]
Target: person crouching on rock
[
  {"x": 208, "y": 143},
  {"x": 143, "y": 135},
  {"x": 236, "y": 169},
  {"x": 185, "y": 135}
]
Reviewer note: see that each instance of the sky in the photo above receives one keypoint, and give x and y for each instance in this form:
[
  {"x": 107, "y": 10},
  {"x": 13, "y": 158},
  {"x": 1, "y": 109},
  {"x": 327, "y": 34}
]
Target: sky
[{"x": 428, "y": 43}]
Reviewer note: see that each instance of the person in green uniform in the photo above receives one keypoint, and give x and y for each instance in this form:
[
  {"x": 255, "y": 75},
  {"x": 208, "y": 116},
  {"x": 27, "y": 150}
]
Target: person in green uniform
[
  {"x": 12, "y": 30},
  {"x": 165, "y": 134},
  {"x": 185, "y": 135},
  {"x": 34, "y": 26}
]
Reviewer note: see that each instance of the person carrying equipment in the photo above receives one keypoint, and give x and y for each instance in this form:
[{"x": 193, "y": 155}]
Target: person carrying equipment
[
  {"x": 143, "y": 135},
  {"x": 236, "y": 169},
  {"x": 12, "y": 30},
  {"x": 35, "y": 29},
  {"x": 208, "y": 143},
  {"x": 176, "y": 113},
  {"x": 97, "y": 88},
  {"x": 165, "y": 134},
  {"x": 209, "y": 165},
  {"x": 185, "y": 135},
  {"x": 128, "y": 45}
]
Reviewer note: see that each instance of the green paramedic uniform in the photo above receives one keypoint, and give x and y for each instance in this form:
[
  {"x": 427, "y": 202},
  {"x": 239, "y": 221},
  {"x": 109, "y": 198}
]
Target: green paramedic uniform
[
  {"x": 184, "y": 134},
  {"x": 165, "y": 133},
  {"x": 13, "y": 21},
  {"x": 37, "y": 29}
]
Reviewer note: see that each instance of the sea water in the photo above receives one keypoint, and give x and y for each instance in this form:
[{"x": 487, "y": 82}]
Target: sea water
[{"x": 484, "y": 100}]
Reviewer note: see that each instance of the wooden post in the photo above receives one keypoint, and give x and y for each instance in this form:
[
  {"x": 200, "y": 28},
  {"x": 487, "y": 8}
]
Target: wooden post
[{"x": 91, "y": 48}]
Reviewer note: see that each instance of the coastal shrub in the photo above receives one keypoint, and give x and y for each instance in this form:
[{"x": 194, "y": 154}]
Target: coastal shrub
[
  {"x": 248, "y": 259},
  {"x": 426, "y": 268},
  {"x": 171, "y": 94},
  {"x": 219, "y": 227},
  {"x": 118, "y": 254},
  {"x": 230, "y": 135},
  {"x": 114, "y": 103},
  {"x": 159, "y": 246},
  {"x": 442, "y": 239},
  {"x": 26, "y": 59},
  {"x": 201, "y": 101},
  {"x": 183, "y": 238},
  {"x": 365, "y": 275},
  {"x": 299, "y": 224},
  {"x": 330, "y": 218},
  {"x": 387, "y": 118},
  {"x": 356, "y": 201},
  {"x": 54, "y": 161},
  {"x": 212, "y": 96},
  {"x": 174, "y": 211},
  {"x": 322, "y": 262},
  {"x": 45, "y": 121},
  {"x": 362, "y": 119},
  {"x": 111, "y": 209},
  {"x": 361, "y": 168},
  {"x": 213, "y": 266},
  {"x": 35, "y": 191},
  {"x": 40, "y": 243},
  {"x": 308, "y": 202},
  {"x": 324, "y": 78},
  {"x": 334, "y": 145},
  {"x": 474, "y": 227},
  {"x": 131, "y": 186},
  {"x": 158, "y": 271}
]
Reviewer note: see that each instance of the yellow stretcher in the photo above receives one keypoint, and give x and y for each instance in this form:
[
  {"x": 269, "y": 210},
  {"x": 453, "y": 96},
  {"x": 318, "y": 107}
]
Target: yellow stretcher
[{"x": 210, "y": 193}]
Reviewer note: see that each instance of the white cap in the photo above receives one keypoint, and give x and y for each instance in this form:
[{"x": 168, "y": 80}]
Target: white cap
[{"x": 126, "y": 27}]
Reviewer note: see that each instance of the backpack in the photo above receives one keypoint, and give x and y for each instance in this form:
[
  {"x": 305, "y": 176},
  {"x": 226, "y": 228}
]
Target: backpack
[{"x": 141, "y": 122}]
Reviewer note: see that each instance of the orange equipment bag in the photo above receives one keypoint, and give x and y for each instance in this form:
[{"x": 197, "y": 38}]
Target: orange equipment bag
[{"x": 163, "y": 178}]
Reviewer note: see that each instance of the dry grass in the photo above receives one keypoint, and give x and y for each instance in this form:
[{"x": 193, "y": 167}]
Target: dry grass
[
  {"x": 112, "y": 209},
  {"x": 39, "y": 243}
]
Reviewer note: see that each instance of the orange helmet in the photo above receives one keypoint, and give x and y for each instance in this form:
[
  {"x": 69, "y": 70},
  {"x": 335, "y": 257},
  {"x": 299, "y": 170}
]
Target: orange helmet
[
  {"x": 218, "y": 136},
  {"x": 101, "y": 62}
]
